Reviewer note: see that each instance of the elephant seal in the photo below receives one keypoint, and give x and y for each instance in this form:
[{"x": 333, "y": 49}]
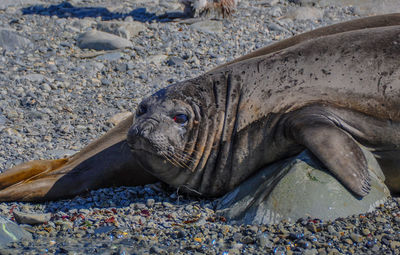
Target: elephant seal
[
  {"x": 206, "y": 135},
  {"x": 211, "y": 133}
]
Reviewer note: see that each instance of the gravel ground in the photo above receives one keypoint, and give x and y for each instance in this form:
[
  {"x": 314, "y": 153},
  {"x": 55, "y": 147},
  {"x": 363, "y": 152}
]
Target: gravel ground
[{"x": 56, "y": 97}]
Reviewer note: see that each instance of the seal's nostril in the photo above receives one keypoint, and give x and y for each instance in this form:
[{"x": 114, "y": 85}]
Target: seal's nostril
[
  {"x": 133, "y": 131},
  {"x": 136, "y": 131},
  {"x": 140, "y": 130},
  {"x": 132, "y": 136},
  {"x": 146, "y": 129}
]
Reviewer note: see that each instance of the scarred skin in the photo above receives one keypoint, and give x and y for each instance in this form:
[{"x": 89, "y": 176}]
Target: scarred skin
[{"x": 326, "y": 91}]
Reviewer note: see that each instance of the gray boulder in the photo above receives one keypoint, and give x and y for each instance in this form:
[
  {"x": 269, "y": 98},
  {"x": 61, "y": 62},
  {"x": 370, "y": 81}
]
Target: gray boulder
[
  {"x": 98, "y": 40},
  {"x": 297, "y": 188},
  {"x": 11, "y": 232},
  {"x": 126, "y": 30},
  {"x": 208, "y": 26},
  {"x": 31, "y": 218}
]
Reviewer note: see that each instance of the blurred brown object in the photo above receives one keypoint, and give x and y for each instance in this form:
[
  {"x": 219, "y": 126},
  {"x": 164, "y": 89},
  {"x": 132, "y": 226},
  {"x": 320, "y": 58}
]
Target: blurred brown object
[{"x": 195, "y": 8}]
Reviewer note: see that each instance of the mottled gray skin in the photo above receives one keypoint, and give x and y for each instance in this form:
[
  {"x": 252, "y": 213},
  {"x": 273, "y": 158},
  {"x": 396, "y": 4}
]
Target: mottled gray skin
[{"x": 326, "y": 94}]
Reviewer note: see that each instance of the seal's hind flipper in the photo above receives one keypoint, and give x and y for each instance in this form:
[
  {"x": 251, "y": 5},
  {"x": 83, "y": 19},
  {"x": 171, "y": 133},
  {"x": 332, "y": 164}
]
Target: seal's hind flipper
[
  {"x": 29, "y": 180},
  {"x": 113, "y": 166},
  {"x": 336, "y": 149},
  {"x": 31, "y": 189},
  {"x": 29, "y": 170},
  {"x": 105, "y": 162}
]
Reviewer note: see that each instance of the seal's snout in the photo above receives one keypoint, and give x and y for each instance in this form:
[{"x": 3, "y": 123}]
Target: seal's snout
[
  {"x": 140, "y": 133},
  {"x": 141, "y": 129},
  {"x": 135, "y": 139},
  {"x": 146, "y": 129}
]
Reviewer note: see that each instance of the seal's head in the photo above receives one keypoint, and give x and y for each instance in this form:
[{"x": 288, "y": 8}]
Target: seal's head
[
  {"x": 163, "y": 135},
  {"x": 176, "y": 134}
]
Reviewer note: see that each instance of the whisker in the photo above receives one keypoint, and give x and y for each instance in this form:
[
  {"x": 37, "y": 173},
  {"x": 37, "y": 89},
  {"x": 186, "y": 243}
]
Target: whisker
[
  {"x": 177, "y": 163},
  {"x": 184, "y": 157},
  {"x": 179, "y": 159},
  {"x": 185, "y": 166},
  {"x": 166, "y": 157},
  {"x": 192, "y": 190}
]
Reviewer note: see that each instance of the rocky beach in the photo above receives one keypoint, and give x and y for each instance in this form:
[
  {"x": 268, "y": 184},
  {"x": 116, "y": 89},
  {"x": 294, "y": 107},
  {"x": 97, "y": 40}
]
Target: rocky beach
[{"x": 71, "y": 70}]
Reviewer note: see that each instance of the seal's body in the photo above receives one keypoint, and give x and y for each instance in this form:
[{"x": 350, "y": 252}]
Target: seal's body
[
  {"x": 206, "y": 135},
  {"x": 326, "y": 95}
]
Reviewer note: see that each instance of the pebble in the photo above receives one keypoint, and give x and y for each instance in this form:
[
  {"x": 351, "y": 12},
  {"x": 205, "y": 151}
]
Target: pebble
[
  {"x": 75, "y": 92},
  {"x": 111, "y": 57},
  {"x": 167, "y": 204},
  {"x": 366, "y": 231},
  {"x": 150, "y": 202},
  {"x": 175, "y": 61},
  {"x": 157, "y": 59}
]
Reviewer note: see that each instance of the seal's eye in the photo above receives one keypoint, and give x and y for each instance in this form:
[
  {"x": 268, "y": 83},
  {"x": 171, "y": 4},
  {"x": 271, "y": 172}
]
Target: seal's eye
[
  {"x": 142, "y": 109},
  {"x": 181, "y": 119}
]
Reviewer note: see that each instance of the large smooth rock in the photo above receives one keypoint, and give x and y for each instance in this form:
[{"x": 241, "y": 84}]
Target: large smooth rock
[
  {"x": 208, "y": 26},
  {"x": 31, "y": 218},
  {"x": 296, "y": 188},
  {"x": 98, "y": 40},
  {"x": 11, "y": 40},
  {"x": 126, "y": 30},
  {"x": 11, "y": 232}
]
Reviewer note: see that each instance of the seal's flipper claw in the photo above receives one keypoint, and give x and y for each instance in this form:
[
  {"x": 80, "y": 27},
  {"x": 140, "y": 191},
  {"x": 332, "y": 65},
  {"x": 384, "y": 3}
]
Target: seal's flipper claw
[{"x": 336, "y": 149}]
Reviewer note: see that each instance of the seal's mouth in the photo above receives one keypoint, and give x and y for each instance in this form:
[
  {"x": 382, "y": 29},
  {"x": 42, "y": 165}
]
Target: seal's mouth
[
  {"x": 137, "y": 142},
  {"x": 142, "y": 147},
  {"x": 140, "y": 144},
  {"x": 154, "y": 163}
]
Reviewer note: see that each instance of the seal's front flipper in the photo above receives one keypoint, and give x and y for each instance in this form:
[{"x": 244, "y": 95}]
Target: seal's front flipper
[{"x": 335, "y": 148}]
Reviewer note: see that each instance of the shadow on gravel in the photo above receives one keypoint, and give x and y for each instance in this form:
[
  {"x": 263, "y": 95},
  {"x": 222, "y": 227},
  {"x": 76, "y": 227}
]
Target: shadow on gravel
[
  {"x": 123, "y": 200},
  {"x": 67, "y": 10}
]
